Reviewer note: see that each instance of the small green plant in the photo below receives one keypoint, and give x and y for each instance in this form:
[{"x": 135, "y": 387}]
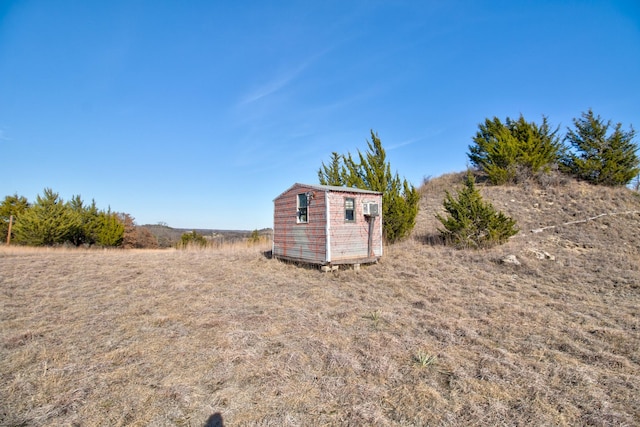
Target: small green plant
[
  {"x": 424, "y": 359},
  {"x": 374, "y": 316}
]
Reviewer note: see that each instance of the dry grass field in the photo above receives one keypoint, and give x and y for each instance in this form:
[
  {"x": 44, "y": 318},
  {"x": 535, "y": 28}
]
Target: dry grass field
[{"x": 428, "y": 336}]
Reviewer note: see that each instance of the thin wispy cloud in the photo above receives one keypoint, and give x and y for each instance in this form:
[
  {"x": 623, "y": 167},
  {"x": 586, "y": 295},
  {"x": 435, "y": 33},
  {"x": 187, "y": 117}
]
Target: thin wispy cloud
[
  {"x": 404, "y": 143},
  {"x": 341, "y": 103},
  {"x": 278, "y": 82},
  {"x": 414, "y": 140},
  {"x": 273, "y": 86},
  {"x": 269, "y": 88}
]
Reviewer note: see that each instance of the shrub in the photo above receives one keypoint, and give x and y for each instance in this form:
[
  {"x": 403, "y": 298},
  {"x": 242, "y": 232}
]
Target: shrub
[
  {"x": 514, "y": 151},
  {"x": 146, "y": 239},
  {"x": 597, "y": 157},
  {"x": 254, "y": 237},
  {"x": 11, "y": 206},
  {"x": 473, "y": 223},
  {"x": 110, "y": 229},
  {"x": 192, "y": 239},
  {"x": 87, "y": 224}
]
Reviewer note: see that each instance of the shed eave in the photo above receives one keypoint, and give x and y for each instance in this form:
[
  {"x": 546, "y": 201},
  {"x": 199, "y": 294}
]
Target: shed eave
[{"x": 332, "y": 188}]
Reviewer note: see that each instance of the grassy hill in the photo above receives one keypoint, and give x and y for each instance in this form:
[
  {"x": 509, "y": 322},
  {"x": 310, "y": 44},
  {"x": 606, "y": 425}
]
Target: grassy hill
[{"x": 428, "y": 336}]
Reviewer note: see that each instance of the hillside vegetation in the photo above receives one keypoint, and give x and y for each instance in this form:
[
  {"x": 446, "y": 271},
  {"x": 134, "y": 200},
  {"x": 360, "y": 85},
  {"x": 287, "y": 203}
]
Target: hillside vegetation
[
  {"x": 168, "y": 237},
  {"x": 428, "y": 336}
]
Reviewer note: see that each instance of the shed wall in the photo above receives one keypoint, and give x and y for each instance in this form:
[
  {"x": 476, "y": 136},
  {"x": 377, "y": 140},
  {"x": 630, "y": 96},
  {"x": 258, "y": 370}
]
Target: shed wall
[
  {"x": 300, "y": 241},
  {"x": 350, "y": 240}
]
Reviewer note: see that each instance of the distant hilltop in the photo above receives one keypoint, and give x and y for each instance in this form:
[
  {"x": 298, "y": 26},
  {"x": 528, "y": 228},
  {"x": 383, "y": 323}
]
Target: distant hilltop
[{"x": 168, "y": 236}]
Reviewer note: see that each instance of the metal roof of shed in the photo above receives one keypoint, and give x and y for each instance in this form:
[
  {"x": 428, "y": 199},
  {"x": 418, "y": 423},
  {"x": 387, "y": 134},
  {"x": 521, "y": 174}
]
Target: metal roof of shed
[{"x": 333, "y": 188}]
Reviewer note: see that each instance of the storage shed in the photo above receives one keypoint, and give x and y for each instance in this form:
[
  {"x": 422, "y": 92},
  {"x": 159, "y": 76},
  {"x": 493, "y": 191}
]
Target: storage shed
[{"x": 328, "y": 225}]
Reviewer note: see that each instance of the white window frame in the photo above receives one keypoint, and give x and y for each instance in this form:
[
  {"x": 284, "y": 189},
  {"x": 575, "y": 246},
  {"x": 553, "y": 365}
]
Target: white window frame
[
  {"x": 353, "y": 209},
  {"x": 300, "y": 209}
]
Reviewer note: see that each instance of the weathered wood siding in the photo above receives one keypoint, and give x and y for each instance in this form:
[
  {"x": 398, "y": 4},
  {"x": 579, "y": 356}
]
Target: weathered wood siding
[
  {"x": 350, "y": 240},
  {"x": 300, "y": 241}
]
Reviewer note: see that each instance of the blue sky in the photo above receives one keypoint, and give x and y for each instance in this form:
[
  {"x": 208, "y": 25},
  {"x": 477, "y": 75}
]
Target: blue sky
[{"x": 200, "y": 113}]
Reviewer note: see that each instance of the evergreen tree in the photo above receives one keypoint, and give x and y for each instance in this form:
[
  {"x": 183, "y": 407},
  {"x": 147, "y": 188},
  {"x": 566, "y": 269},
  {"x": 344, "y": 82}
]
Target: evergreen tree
[
  {"x": 48, "y": 222},
  {"x": 473, "y": 223},
  {"x": 110, "y": 229},
  {"x": 372, "y": 172},
  {"x": 400, "y": 208},
  {"x": 87, "y": 222},
  {"x": 11, "y": 206},
  {"x": 514, "y": 150},
  {"x": 91, "y": 222},
  {"x": 334, "y": 174},
  {"x": 76, "y": 207},
  {"x": 597, "y": 157}
]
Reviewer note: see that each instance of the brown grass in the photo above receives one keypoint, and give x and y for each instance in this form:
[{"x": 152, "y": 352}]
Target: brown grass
[{"x": 428, "y": 336}]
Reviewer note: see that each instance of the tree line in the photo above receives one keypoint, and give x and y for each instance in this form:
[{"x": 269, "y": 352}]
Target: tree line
[
  {"x": 51, "y": 221},
  {"x": 509, "y": 152}
]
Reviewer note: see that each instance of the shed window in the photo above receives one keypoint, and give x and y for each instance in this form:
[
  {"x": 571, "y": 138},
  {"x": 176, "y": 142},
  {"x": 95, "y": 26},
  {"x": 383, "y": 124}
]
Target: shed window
[
  {"x": 349, "y": 209},
  {"x": 302, "y": 208}
]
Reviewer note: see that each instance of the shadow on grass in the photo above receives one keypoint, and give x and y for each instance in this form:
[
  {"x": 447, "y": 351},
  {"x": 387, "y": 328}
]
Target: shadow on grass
[
  {"x": 431, "y": 239},
  {"x": 215, "y": 420},
  {"x": 300, "y": 264}
]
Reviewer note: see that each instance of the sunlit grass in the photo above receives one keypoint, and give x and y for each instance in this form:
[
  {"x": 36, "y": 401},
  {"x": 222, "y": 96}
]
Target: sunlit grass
[{"x": 428, "y": 336}]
